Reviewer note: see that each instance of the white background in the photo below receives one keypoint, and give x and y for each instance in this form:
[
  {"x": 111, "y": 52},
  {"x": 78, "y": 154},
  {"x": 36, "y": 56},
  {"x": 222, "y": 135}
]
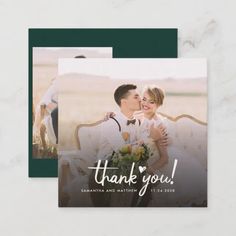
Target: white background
[{"x": 206, "y": 29}]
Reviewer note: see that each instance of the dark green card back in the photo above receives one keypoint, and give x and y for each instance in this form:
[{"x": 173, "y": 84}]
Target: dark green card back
[{"x": 126, "y": 43}]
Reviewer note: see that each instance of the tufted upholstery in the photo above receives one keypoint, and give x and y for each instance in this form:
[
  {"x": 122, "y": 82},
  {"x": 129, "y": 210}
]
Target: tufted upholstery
[{"x": 190, "y": 137}]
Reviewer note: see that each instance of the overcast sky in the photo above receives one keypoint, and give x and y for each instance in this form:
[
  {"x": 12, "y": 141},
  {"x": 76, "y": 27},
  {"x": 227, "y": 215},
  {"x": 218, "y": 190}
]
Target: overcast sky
[{"x": 136, "y": 68}]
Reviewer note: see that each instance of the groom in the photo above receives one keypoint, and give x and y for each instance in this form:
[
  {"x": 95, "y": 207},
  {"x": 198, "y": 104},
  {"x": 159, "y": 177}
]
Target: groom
[
  {"x": 118, "y": 131},
  {"x": 123, "y": 127}
]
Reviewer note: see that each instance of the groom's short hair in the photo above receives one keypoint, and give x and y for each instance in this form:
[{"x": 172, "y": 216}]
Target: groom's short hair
[{"x": 122, "y": 92}]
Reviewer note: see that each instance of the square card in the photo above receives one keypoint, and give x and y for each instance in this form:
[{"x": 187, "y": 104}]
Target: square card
[{"x": 149, "y": 150}]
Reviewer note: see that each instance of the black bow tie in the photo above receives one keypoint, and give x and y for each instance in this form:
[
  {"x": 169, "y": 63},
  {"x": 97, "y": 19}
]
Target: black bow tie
[{"x": 131, "y": 122}]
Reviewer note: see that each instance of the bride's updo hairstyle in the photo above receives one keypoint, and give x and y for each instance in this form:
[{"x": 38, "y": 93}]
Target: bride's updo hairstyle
[{"x": 157, "y": 94}]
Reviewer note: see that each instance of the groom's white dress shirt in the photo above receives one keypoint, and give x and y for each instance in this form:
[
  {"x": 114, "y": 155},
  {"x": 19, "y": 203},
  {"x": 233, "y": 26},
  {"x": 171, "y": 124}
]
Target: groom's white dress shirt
[
  {"x": 111, "y": 137},
  {"x": 51, "y": 95}
]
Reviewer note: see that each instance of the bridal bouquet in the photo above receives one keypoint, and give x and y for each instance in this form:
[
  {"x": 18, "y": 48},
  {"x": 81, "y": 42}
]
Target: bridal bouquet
[
  {"x": 128, "y": 155},
  {"x": 128, "y": 162}
]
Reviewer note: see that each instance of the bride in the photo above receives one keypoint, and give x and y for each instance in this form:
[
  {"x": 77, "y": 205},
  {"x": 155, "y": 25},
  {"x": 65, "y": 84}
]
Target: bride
[{"x": 190, "y": 179}]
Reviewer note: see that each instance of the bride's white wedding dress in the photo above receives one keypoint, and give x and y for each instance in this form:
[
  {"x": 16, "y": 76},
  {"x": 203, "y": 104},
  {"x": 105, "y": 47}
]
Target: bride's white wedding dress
[{"x": 190, "y": 178}]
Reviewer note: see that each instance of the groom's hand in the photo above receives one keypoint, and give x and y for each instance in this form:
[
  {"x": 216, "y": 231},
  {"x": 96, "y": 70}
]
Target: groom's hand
[
  {"x": 156, "y": 133},
  {"x": 108, "y": 115},
  {"x": 164, "y": 140},
  {"x": 159, "y": 134}
]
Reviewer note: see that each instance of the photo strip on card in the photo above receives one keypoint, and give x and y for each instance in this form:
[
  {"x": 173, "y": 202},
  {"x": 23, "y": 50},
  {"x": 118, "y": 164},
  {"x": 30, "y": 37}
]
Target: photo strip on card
[
  {"x": 133, "y": 133},
  {"x": 45, "y": 94}
]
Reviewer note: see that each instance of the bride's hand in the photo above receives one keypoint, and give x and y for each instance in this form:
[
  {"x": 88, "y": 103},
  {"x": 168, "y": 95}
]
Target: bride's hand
[{"x": 108, "y": 115}]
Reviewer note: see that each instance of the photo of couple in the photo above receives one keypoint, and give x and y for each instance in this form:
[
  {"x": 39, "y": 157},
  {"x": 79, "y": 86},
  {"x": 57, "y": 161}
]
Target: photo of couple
[
  {"x": 45, "y": 94},
  {"x": 121, "y": 144}
]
